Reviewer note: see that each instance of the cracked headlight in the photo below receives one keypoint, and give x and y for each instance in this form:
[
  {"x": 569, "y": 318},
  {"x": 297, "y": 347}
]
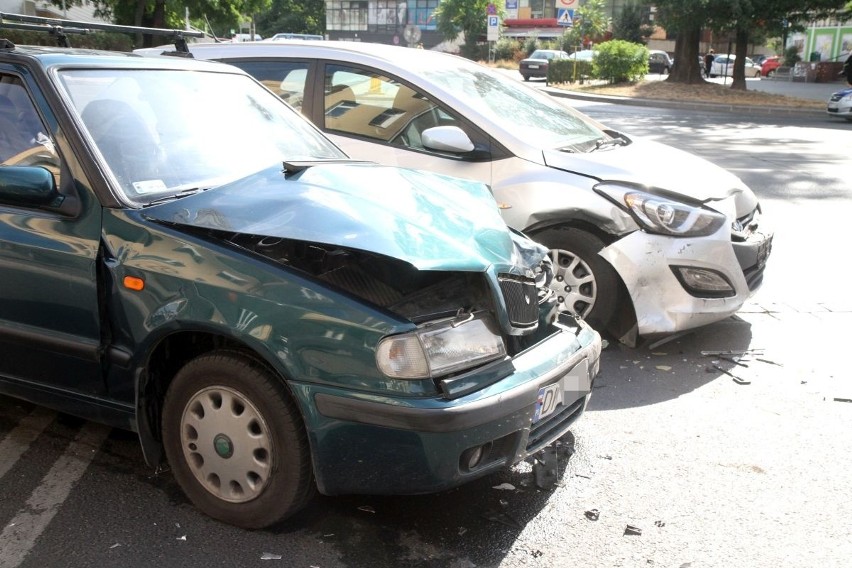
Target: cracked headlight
[
  {"x": 440, "y": 348},
  {"x": 661, "y": 214}
]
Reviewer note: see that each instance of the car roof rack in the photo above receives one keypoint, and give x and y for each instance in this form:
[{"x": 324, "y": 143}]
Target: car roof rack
[{"x": 61, "y": 28}]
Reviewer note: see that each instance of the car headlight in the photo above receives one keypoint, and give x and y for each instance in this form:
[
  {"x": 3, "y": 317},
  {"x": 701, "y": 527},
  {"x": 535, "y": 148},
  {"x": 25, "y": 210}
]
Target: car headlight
[
  {"x": 847, "y": 98},
  {"x": 664, "y": 215},
  {"x": 440, "y": 348}
]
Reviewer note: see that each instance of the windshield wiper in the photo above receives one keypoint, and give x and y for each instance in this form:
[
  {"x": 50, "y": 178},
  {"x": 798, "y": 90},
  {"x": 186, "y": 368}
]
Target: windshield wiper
[
  {"x": 178, "y": 195},
  {"x": 600, "y": 144}
]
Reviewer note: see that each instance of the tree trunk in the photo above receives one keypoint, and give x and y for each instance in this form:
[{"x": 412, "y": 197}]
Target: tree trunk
[
  {"x": 687, "y": 67},
  {"x": 739, "y": 82},
  {"x": 138, "y": 14}
]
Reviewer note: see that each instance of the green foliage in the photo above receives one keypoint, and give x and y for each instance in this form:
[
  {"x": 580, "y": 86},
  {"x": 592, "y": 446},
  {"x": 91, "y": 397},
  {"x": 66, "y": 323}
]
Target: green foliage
[
  {"x": 506, "y": 49},
  {"x": 105, "y": 40},
  {"x": 630, "y": 24},
  {"x": 453, "y": 17},
  {"x": 591, "y": 23},
  {"x": 530, "y": 45},
  {"x": 568, "y": 71},
  {"x": 294, "y": 16},
  {"x": 791, "y": 56},
  {"x": 619, "y": 61}
]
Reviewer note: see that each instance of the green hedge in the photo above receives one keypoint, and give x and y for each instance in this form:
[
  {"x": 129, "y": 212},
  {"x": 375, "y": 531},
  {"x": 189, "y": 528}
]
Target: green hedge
[{"x": 568, "y": 71}]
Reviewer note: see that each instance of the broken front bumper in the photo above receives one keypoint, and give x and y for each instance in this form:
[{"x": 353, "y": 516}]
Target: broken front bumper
[
  {"x": 664, "y": 275},
  {"x": 363, "y": 443}
]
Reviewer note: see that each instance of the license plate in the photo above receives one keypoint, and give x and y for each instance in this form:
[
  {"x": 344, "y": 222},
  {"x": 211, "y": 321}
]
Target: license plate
[
  {"x": 549, "y": 398},
  {"x": 533, "y": 66}
]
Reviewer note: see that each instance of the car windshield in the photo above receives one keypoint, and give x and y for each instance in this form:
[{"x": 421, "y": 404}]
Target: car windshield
[
  {"x": 164, "y": 133},
  {"x": 516, "y": 108},
  {"x": 539, "y": 54}
]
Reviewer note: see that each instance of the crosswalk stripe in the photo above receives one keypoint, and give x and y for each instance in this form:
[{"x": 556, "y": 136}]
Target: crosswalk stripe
[
  {"x": 13, "y": 446},
  {"x": 20, "y": 535}
]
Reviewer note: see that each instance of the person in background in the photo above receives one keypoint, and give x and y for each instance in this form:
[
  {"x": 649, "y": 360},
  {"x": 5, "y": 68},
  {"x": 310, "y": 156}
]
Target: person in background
[
  {"x": 847, "y": 70},
  {"x": 708, "y": 62}
]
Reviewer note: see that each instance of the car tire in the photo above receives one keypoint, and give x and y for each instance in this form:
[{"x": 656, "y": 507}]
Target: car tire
[
  {"x": 236, "y": 442},
  {"x": 584, "y": 283},
  {"x": 770, "y": 74},
  {"x": 526, "y": 77}
]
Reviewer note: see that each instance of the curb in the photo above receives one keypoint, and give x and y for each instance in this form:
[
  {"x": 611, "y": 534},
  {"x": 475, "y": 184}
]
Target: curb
[{"x": 684, "y": 105}]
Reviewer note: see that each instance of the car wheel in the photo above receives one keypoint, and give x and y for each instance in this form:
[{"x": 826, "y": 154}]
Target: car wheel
[
  {"x": 235, "y": 441},
  {"x": 526, "y": 77},
  {"x": 584, "y": 283},
  {"x": 770, "y": 73}
]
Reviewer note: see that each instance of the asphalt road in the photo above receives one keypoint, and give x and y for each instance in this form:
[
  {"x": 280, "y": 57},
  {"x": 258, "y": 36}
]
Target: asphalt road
[{"x": 689, "y": 460}]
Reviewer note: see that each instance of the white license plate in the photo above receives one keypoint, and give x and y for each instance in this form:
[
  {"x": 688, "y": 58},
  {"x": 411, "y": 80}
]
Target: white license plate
[
  {"x": 549, "y": 398},
  {"x": 533, "y": 66},
  {"x": 552, "y": 396}
]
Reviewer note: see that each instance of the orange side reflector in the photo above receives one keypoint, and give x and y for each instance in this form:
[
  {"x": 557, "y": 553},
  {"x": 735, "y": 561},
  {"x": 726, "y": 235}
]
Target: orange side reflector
[{"x": 133, "y": 283}]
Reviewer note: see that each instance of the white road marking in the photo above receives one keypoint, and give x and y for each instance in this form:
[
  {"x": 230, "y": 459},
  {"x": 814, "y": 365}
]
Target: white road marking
[
  {"x": 20, "y": 534},
  {"x": 13, "y": 446}
]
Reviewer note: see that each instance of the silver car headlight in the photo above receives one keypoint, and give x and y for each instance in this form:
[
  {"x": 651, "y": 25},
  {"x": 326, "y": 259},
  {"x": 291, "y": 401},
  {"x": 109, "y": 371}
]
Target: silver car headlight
[
  {"x": 661, "y": 214},
  {"x": 440, "y": 348}
]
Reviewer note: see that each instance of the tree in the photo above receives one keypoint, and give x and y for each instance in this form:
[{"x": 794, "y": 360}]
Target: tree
[
  {"x": 684, "y": 18},
  {"x": 295, "y": 16},
  {"x": 225, "y": 14},
  {"x": 590, "y": 23},
  {"x": 630, "y": 25},
  {"x": 469, "y": 17}
]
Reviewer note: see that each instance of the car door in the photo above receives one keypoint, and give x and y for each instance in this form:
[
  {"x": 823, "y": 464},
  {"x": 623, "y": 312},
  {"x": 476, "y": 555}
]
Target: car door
[
  {"x": 374, "y": 116},
  {"x": 50, "y": 331}
]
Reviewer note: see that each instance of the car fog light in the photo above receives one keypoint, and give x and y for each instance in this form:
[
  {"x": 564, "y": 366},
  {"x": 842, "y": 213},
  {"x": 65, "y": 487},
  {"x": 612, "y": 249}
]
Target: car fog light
[
  {"x": 704, "y": 282},
  {"x": 472, "y": 457}
]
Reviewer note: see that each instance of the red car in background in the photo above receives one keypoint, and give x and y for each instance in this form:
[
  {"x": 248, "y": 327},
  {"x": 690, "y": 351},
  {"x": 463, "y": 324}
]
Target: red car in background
[{"x": 769, "y": 65}]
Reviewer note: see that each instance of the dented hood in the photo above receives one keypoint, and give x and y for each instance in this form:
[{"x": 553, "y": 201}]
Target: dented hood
[
  {"x": 431, "y": 221},
  {"x": 653, "y": 165}
]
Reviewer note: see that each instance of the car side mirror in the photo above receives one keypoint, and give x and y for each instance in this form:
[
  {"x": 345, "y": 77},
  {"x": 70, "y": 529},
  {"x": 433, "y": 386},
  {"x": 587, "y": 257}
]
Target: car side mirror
[
  {"x": 447, "y": 139},
  {"x": 34, "y": 187}
]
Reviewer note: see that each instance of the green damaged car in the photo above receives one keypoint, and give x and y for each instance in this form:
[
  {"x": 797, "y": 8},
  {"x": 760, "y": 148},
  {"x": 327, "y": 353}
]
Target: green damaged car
[{"x": 184, "y": 256}]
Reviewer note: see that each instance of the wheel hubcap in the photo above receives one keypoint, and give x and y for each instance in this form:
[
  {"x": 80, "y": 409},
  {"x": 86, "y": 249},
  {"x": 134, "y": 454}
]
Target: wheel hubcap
[
  {"x": 573, "y": 283},
  {"x": 227, "y": 444}
]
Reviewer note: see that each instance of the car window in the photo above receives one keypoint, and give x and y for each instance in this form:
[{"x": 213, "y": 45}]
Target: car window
[
  {"x": 284, "y": 78},
  {"x": 365, "y": 103},
  {"x": 512, "y": 106},
  {"x": 160, "y": 132},
  {"x": 23, "y": 137}
]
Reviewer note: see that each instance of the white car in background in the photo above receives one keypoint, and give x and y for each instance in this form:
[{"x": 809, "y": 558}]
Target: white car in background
[
  {"x": 723, "y": 66},
  {"x": 639, "y": 250}
]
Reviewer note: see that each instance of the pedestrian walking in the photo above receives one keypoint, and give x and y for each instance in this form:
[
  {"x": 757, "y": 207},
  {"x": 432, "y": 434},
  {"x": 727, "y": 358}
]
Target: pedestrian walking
[
  {"x": 708, "y": 62},
  {"x": 847, "y": 70}
]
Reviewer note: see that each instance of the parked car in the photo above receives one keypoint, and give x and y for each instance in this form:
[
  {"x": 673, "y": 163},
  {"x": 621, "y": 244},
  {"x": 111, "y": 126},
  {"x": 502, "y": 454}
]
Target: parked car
[
  {"x": 582, "y": 55},
  {"x": 769, "y": 65},
  {"x": 286, "y": 35},
  {"x": 536, "y": 64},
  {"x": 659, "y": 62},
  {"x": 640, "y": 250},
  {"x": 840, "y": 104},
  {"x": 185, "y": 256},
  {"x": 723, "y": 65}
]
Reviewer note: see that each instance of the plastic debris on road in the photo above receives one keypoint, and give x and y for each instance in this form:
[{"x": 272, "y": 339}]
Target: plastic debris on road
[
  {"x": 630, "y": 530},
  {"x": 270, "y": 556},
  {"x": 593, "y": 514}
]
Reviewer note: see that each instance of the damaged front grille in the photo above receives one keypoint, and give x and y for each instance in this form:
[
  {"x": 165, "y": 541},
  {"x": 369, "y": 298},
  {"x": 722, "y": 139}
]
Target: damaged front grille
[
  {"x": 521, "y": 298},
  {"x": 554, "y": 426}
]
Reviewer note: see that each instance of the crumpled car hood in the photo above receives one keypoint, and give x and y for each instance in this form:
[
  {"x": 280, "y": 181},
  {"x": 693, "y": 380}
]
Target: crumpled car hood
[
  {"x": 433, "y": 222},
  {"x": 654, "y": 165}
]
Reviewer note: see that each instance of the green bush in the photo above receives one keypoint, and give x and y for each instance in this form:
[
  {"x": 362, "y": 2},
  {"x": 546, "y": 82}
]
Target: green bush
[
  {"x": 506, "y": 48},
  {"x": 791, "y": 56},
  {"x": 620, "y": 61},
  {"x": 530, "y": 45}
]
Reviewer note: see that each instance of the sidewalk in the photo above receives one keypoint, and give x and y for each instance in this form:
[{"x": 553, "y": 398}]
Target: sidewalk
[{"x": 797, "y": 89}]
